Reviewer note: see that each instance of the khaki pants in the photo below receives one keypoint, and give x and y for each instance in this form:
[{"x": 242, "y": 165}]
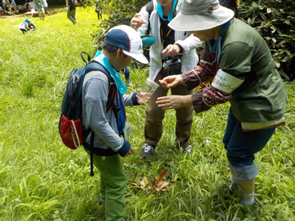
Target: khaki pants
[{"x": 155, "y": 115}]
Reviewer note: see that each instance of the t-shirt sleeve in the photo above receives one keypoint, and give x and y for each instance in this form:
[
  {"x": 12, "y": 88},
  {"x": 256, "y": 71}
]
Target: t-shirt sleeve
[{"x": 236, "y": 58}]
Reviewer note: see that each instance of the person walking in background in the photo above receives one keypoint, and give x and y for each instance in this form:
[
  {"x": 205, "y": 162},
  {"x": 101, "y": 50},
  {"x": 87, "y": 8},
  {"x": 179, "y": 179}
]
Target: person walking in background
[
  {"x": 121, "y": 45},
  {"x": 244, "y": 74},
  {"x": 27, "y": 25},
  {"x": 98, "y": 9},
  {"x": 39, "y": 6},
  {"x": 46, "y": 7},
  {"x": 126, "y": 72},
  {"x": 167, "y": 47},
  {"x": 71, "y": 14}
]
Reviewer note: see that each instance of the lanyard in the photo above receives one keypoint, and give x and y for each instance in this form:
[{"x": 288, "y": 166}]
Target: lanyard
[{"x": 162, "y": 38}]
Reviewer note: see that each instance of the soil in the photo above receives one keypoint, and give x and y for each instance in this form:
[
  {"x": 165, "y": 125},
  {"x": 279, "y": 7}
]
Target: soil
[{"x": 52, "y": 10}]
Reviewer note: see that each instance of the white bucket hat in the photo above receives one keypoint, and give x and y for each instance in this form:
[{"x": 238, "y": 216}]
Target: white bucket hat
[{"x": 198, "y": 15}]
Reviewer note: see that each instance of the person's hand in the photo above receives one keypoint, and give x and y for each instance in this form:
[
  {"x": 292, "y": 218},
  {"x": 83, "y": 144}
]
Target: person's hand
[
  {"x": 171, "y": 50},
  {"x": 130, "y": 152},
  {"x": 171, "y": 81},
  {"x": 170, "y": 102},
  {"x": 136, "y": 21},
  {"x": 145, "y": 97}
]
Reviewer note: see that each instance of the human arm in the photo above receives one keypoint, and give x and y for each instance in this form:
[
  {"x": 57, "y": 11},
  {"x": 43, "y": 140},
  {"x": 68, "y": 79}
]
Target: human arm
[
  {"x": 132, "y": 99},
  {"x": 103, "y": 123},
  {"x": 174, "y": 101},
  {"x": 220, "y": 92},
  {"x": 140, "y": 19},
  {"x": 182, "y": 46},
  {"x": 191, "y": 78},
  {"x": 201, "y": 101},
  {"x": 194, "y": 77},
  {"x": 35, "y": 4}
]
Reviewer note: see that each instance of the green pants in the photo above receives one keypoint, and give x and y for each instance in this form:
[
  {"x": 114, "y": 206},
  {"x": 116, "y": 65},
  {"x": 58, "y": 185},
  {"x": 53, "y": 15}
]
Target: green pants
[{"x": 112, "y": 185}]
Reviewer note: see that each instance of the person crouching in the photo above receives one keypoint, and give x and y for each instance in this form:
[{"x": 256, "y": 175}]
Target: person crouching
[{"x": 27, "y": 25}]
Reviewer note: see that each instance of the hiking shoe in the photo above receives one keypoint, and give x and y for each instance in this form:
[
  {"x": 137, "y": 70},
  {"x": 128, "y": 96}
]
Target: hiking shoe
[
  {"x": 245, "y": 204},
  {"x": 147, "y": 151},
  {"x": 187, "y": 149}
]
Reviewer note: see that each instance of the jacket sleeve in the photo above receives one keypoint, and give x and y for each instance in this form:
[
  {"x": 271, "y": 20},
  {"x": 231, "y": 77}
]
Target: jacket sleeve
[
  {"x": 130, "y": 99},
  {"x": 95, "y": 100},
  {"x": 199, "y": 74},
  {"x": 189, "y": 43},
  {"x": 208, "y": 98}
]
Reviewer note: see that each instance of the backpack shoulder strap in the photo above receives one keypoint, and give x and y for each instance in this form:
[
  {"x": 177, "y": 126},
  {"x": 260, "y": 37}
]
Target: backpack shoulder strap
[
  {"x": 149, "y": 8},
  {"x": 95, "y": 66}
]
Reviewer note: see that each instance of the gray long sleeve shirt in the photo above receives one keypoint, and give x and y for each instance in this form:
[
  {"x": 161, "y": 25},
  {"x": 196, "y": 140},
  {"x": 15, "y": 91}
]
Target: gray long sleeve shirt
[{"x": 94, "y": 115}]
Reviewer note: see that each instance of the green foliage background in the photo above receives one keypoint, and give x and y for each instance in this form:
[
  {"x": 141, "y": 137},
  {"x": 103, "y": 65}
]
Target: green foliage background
[{"x": 41, "y": 179}]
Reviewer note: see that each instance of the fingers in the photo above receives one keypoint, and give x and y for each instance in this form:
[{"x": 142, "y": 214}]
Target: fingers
[
  {"x": 136, "y": 21},
  {"x": 130, "y": 152},
  {"x": 171, "y": 50}
]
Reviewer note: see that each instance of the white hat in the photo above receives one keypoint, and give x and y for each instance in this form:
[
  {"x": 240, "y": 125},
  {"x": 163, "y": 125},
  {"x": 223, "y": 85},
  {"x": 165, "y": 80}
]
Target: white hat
[
  {"x": 198, "y": 15},
  {"x": 128, "y": 40}
]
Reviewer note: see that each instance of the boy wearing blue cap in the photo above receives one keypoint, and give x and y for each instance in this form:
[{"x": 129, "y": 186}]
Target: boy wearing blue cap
[
  {"x": 122, "y": 44},
  {"x": 27, "y": 25}
]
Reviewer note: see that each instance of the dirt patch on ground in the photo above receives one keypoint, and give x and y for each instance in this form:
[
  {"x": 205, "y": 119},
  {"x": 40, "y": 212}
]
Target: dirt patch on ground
[{"x": 52, "y": 10}]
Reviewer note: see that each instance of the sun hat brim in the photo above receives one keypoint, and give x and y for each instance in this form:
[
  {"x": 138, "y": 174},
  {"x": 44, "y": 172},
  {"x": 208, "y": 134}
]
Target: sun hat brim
[
  {"x": 139, "y": 57},
  {"x": 201, "y": 21}
]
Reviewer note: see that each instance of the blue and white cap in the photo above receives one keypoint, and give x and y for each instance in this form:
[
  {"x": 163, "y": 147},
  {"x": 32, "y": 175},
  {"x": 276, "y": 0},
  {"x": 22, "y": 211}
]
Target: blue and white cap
[{"x": 126, "y": 38}]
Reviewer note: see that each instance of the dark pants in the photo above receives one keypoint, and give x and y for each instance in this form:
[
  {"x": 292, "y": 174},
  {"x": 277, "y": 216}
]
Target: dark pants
[{"x": 155, "y": 115}]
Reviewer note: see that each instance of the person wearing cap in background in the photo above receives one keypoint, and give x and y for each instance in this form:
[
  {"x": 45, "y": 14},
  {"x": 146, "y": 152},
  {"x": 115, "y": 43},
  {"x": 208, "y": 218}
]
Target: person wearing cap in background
[
  {"x": 168, "y": 46},
  {"x": 27, "y": 25},
  {"x": 244, "y": 73},
  {"x": 121, "y": 45}
]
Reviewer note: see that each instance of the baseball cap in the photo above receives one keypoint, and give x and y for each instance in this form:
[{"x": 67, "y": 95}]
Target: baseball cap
[
  {"x": 27, "y": 20},
  {"x": 126, "y": 38}
]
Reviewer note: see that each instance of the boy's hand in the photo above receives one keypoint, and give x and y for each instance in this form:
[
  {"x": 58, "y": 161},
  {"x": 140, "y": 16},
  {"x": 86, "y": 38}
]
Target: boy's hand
[
  {"x": 145, "y": 97},
  {"x": 130, "y": 152},
  {"x": 136, "y": 21},
  {"x": 171, "y": 81}
]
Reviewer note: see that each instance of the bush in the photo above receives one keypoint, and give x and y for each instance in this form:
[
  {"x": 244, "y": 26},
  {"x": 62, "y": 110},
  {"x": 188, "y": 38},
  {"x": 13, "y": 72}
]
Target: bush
[{"x": 274, "y": 20}]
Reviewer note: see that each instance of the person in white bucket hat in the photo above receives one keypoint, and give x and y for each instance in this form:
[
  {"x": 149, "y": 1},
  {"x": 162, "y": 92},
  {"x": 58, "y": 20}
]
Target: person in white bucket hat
[
  {"x": 244, "y": 73},
  {"x": 106, "y": 143}
]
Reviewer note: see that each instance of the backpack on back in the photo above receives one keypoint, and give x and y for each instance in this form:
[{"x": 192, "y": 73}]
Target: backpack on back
[{"x": 70, "y": 123}]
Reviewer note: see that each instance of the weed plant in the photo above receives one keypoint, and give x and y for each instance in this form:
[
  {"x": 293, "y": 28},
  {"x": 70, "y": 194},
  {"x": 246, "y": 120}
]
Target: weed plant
[{"x": 41, "y": 179}]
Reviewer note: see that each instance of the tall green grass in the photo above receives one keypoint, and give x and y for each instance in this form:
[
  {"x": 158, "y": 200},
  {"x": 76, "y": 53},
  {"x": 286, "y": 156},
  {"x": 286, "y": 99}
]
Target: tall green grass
[{"x": 40, "y": 179}]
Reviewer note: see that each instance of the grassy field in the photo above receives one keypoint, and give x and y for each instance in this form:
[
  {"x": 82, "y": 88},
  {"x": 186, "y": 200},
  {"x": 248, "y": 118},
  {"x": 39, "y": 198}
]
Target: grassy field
[{"x": 40, "y": 179}]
